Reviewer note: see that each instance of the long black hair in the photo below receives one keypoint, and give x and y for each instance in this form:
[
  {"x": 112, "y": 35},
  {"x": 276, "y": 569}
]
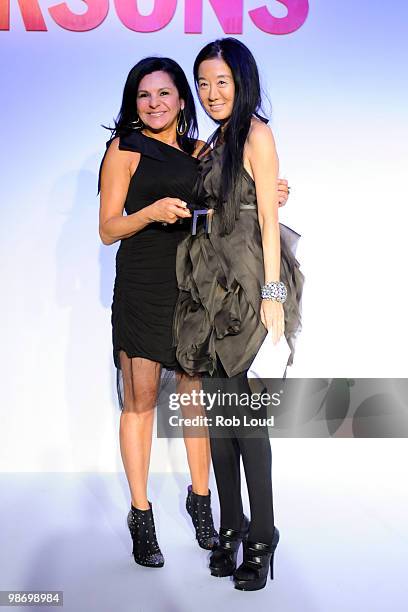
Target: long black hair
[
  {"x": 247, "y": 103},
  {"x": 128, "y": 116}
]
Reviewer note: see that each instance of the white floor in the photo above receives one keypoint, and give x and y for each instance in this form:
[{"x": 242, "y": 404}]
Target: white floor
[{"x": 343, "y": 547}]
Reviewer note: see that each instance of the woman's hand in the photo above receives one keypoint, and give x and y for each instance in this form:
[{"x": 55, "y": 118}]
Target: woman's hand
[
  {"x": 168, "y": 210},
  {"x": 283, "y": 191},
  {"x": 273, "y": 317}
]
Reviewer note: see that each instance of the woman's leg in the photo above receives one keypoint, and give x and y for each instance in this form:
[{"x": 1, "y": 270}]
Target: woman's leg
[
  {"x": 196, "y": 439},
  {"x": 252, "y": 443},
  {"x": 256, "y": 454},
  {"x": 257, "y": 460},
  {"x": 225, "y": 453},
  {"x": 199, "y": 459},
  {"x": 141, "y": 379},
  {"x": 198, "y": 502}
]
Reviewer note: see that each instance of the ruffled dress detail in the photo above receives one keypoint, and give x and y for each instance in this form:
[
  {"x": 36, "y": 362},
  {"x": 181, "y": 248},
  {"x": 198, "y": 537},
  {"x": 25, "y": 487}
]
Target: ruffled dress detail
[{"x": 220, "y": 279}]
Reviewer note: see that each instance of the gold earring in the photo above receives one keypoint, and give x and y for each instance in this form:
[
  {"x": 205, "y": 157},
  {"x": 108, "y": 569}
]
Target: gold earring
[
  {"x": 136, "y": 125},
  {"x": 181, "y": 130}
]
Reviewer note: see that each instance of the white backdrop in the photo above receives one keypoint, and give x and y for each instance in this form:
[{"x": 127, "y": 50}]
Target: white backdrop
[{"x": 339, "y": 105}]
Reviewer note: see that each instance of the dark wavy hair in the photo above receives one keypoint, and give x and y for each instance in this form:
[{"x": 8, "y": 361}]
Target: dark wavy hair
[
  {"x": 128, "y": 112},
  {"x": 247, "y": 103}
]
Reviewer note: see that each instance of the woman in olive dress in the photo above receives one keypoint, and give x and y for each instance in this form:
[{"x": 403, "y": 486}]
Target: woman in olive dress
[{"x": 236, "y": 282}]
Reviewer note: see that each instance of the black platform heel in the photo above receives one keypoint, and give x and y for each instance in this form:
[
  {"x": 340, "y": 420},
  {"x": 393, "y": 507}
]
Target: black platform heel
[
  {"x": 252, "y": 574},
  {"x": 223, "y": 559},
  {"x": 199, "y": 508},
  {"x": 146, "y": 550}
]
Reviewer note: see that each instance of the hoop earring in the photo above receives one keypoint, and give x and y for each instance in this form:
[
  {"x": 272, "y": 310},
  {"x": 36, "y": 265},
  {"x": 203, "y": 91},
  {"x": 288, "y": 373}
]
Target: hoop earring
[
  {"x": 136, "y": 125},
  {"x": 181, "y": 129}
]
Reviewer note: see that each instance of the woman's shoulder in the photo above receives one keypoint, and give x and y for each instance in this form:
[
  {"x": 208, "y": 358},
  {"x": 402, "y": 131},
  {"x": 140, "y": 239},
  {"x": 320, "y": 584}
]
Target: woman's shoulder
[
  {"x": 113, "y": 149},
  {"x": 259, "y": 133},
  {"x": 113, "y": 143},
  {"x": 135, "y": 142},
  {"x": 116, "y": 152},
  {"x": 114, "y": 160},
  {"x": 260, "y": 143}
]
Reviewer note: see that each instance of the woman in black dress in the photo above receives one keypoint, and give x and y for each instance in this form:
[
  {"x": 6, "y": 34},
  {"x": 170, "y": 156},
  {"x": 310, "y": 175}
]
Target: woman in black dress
[
  {"x": 150, "y": 171},
  {"x": 233, "y": 283}
]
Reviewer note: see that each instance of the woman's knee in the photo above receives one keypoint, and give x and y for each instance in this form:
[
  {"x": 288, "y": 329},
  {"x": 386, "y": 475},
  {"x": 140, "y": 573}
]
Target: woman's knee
[{"x": 142, "y": 403}]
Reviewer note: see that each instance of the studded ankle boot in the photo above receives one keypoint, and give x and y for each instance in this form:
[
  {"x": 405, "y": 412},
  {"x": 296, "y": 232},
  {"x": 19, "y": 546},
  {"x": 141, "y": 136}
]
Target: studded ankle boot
[
  {"x": 199, "y": 508},
  {"x": 146, "y": 550}
]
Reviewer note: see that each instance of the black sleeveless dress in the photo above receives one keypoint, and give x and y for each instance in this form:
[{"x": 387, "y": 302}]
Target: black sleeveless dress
[
  {"x": 145, "y": 291},
  {"x": 220, "y": 280}
]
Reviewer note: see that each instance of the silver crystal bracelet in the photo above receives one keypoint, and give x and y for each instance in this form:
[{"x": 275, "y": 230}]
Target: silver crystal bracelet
[{"x": 274, "y": 290}]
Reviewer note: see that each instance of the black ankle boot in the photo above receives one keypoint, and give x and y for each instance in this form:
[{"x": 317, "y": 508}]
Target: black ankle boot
[
  {"x": 146, "y": 550},
  {"x": 199, "y": 508},
  {"x": 223, "y": 559},
  {"x": 252, "y": 574}
]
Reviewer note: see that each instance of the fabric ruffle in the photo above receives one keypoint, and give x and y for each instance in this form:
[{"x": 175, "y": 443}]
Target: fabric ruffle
[
  {"x": 220, "y": 280},
  {"x": 218, "y": 308}
]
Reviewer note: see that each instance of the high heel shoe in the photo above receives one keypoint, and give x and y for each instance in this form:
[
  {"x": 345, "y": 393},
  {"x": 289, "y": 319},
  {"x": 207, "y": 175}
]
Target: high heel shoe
[
  {"x": 146, "y": 550},
  {"x": 223, "y": 559},
  {"x": 252, "y": 574},
  {"x": 199, "y": 508}
]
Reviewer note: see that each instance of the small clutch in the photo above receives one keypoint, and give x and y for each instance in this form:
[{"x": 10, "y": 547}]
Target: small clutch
[
  {"x": 208, "y": 214},
  {"x": 271, "y": 359}
]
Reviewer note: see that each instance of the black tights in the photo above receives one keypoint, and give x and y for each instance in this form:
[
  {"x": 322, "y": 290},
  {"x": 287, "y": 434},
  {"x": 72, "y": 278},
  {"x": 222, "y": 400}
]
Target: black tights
[{"x": 228, "y": 444}]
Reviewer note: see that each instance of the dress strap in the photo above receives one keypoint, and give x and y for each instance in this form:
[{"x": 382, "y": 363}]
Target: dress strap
[{"x": 135, "y": 141}]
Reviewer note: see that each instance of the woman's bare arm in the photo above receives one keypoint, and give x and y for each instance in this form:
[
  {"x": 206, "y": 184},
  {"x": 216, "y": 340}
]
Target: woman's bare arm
[
  {"x": 262, "y": 157},
  {"x": 115, "y": 178},
  {"x": 117, "y": 170},
  {"x": 261, "y": 153}
]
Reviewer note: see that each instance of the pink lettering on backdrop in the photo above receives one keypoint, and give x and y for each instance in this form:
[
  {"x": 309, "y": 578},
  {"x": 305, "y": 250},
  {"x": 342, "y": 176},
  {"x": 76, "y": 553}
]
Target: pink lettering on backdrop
[
  {"x": 228, "y": 12},
  {"x": 30, "y": 12},
  {"x": 229, "y": 15},
  {"x": 297, "y": 13},
  {"x": 130, "y": 16},
  {"x": 94, "y": 16}
]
